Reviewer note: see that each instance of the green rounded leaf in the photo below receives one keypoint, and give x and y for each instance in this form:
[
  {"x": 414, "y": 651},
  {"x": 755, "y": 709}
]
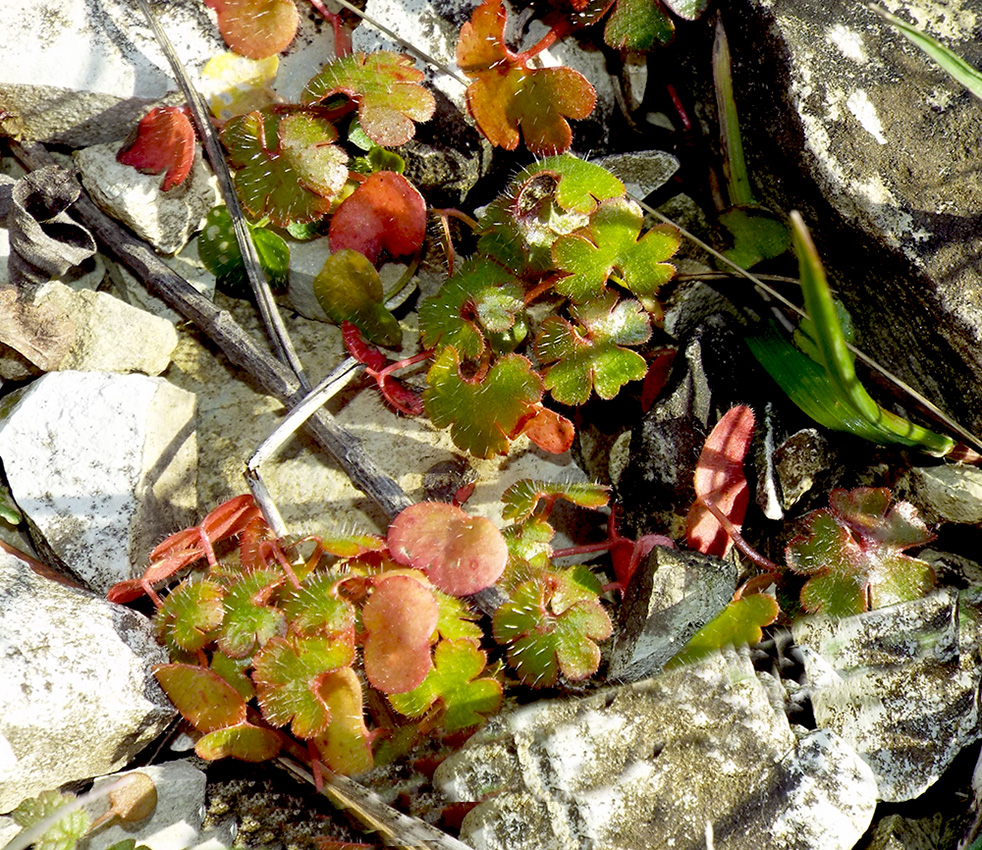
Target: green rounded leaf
[
  {"x": 639, "y": 25},
  {"x": 219, "y": 251},
  {"x": 202, "y": 696},
  {"x": 242, "y": 741},
  {"x": 191, "y": 614},
  {"x": 349, "y": 290}
]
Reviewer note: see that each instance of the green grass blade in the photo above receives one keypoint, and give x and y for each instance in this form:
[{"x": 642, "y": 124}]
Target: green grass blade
[{"x": 734, "y": 164}]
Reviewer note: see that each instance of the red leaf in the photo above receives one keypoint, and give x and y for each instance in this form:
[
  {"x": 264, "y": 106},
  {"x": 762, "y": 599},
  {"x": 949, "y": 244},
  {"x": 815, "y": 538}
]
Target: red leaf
[
  {"x": 256, "y": 28},
  {"x": 460, "y": 554},
  {"x": 655, "y": 379},
  {"x": 383, "y": 213},
  {"x": 399, "y": 617},
  {"x": 719, "y": 478},
  {"x": 550, "y": 431},
  {"x": 164, "y": 142}
]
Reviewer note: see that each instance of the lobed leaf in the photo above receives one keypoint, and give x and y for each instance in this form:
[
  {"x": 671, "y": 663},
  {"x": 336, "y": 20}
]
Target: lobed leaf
[
  {"x": 591, "y": 355},
  {"x": 456, "y": 620},
  {"x": 385, "y": 86},
  {"x": 256, "y": 28},
  {"x": 508, "y": 98},
  {"x": 349, "y": 289},
  {"x": 460, "y": 554},
  {"x": 164, "y": 143},
  {"x": 191, "y": 614},
  {"x": 220, "y": 253},
  {"x": 316, "y": 607},
  {"x": 399, "y": 619},
  {"x": 61, "y": 835},
  {"x": 250, "y": 621},
  {"x": 288, "y": 674},
  {"x": 755, "y": 234},
  {"x": 385, "y": 213},
  {"x": 483, "y": 412},
  {"x": 453, "y": 683},
  {"x": 550, "y": 431},
  {"x": 738, "y": 624},
  {"x": 522, "y": 498}
]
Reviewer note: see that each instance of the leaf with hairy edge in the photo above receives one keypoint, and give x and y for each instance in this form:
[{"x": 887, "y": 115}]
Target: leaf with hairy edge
[
  {"x": 591, "y": 355},
  {"x": 639, "y": 25},
  {"x": 689, "y": 10},
  {"x": 345, "y": 746},
  {"x": 460, "y": 554},
  {"x": 288, "y": 168},
  {"x": 256, "y": 28},
  {"x": 288, "y": 673},
  {"x": 386, "y": 88},
  {"x": 550, "y": 431},
  {"x": 719, "y": 478},
  {"x": 250, "y": 621},
  {"x": 610, "y": 245},
  {"x": 529, "y": 551},
  {"x": 399, "y": 619},
  {"x": 456, "y": 620},
  {"x": 483, "y": 413},
  {"x": 243, "y": 741},
  {"x": 480, "y": 298},
  {"x": 738, "y": 624},
  {"x": 551, "y": 625},
  {"x": 316, "y": 607},
  {"x": 853, "y": 553},
  {"x": 219, "y": 251},
  {"x": 202, "y": 696},
  {"x": 522, "y": 498},
  {"x": 190, "y": 614},
  {"x": 235, "y": 671},
  {"x": 385, "y": 213},
  {"x": 349, "y": 289},
  {"x": 507, "y": 96},
  {"x": 466, "y": 700},
  {"x": 164, "y": 143}
]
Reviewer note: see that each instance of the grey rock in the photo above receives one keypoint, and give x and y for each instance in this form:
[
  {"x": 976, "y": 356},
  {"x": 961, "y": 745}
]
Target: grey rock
[
  {"x": 164, "y": 219},
  {"x": 900, "y": 684},
  {"x": 176, "y": 821},
  {"x": 76, "y": 695},
  {"x": 895, "y": 832},
  {"x": 641, "y": 172},
  {"x": 693, "y": 756},
  {"x": 854, "y": 126},
  {"x": 949, "y": 493},
  {"x": 671, "y": 596},
  {"x": 799, "y": 461},
  {"x": 102, "y": 465}
]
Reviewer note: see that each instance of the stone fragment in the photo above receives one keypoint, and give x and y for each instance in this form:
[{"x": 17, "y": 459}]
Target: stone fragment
[
  {"x": 164, "y": 219},
  {"x": 695, "y": 756},
  {"x": 671, "y": 596},
  {"x": 176, "y": 821},
  {"x": 947, "y": 493},
  {"x": 76, "y": 695},
  {"x": 187, "y": 264},
  {"x": 102, "y": 465},
  {"x": 641, "y": 172},
  {"x": 877, "y": 146},
  {"x": 900, "y": 684},
  {"x": 800, "y": 460}
]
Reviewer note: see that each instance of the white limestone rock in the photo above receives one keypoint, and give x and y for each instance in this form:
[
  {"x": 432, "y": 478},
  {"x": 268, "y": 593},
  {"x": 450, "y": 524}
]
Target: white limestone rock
[
  {"x": 900, "y": 684},
  {"x": 948, "y": 493},
  {"x": 176, "y": 821},
  {"x": 102, "y": 465},
  {"x": 698, "y": 751},
  {"x": 164, "y": 219},
  {"x": 77, "y": 698}
]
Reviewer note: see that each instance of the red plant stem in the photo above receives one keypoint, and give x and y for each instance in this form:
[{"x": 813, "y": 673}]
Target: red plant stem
[
  {"x": 738, "y": 539},
  {"x": 402, "y": 364},
  {"x": 342, "y": 38},
  {"x": 452, "y": 212},
  {"x": 679, "y": 108},
  {"x": 542, "y": 286},
  {"x": 560, "y": 30},
  {"x": 606, "y": 546}
]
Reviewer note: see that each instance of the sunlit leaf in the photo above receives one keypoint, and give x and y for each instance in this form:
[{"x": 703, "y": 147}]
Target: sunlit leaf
[
  {"x": 483, "y": 413},
  {"x": 190, "y": 614},
  {"x": 318, "y": 608},
  {"x": 522, "y": 498},
  {"x": 386, "y": 88},
  {"x": 385, "y": 213},
  {"x": 164, "y": 143},
  {"x": 507, "y": 96},
  {"x": 738, "y": 624},
  {"x": 345, "y": 746},
  {"x": 349, "y": 289},
  {"x": 460, "y": 554},
  {"x": 234, "y": 84},
  {"x": 529, "y": 546},
  {"x": 466, "y": 700},
  {"x": 456, "y": 620},
  {"x": 610, "y": 245},
  {"x": 219, "y": 251},
  {"x": 250, "y": 620},
  {"x": 399, "y": 619},
  {"x": 288, "y": 674},
  {"x": 755, "y": 234},
  {"x": 550, "y": 431},
  {"x": 288, "y": 168},
  {"x": 256, "y": 28},
  {"x": 235, "y": 672},
  {"x": 639, "y": 25},
  {"x": 242, "y": 741},
  {"x": 590, "y": 354},
  {"x": 64, "y": 833},
  {"x": 202, "y": 696}
]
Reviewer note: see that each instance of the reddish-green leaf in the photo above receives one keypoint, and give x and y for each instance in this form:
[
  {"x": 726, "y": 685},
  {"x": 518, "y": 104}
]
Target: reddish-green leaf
[
  {"x": 854, "y": 554},
  {"x": 719, "y": 479},
  {"x": 250, "y": 621},
  {"x": 345, "y": 746},
  {"x": 639, "y": 25},
  {"x": 610, "y": 246},
  {"x": 551, "y": 625},
  {"x": 522, "y": 498},
  {"x": 349, "y": 289},
  {"x": 289, "y": 170},
  {"x": 590, "y": 354},
  {"x": 738, "y": 624},
  {"x": 288, "y": 674},
  {"x": 386, "y": 88},
  {"x": 317, "y": 608},
  {"x": 164, "y": 143},
  {"x": 256, "y": 28},
  {"x": 190, "y": 614},
  {"x": 385, "y": 213},
  {"x": 460, "y": 554},
  {"x": 484, "y": 412},
  {"x": 465, "y": 700},
  {"x": 201, "y": 695},
  {"x": 399, "y": 619},
  {"x": 550, "y": 431},
  {"x": 507, "y": 96},
  {"x": 242, "y": 741}
]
